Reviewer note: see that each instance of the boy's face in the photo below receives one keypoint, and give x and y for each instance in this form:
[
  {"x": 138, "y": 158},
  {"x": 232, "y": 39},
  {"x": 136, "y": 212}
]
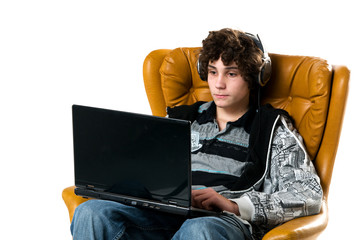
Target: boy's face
[{"x": 228, "y": 88}]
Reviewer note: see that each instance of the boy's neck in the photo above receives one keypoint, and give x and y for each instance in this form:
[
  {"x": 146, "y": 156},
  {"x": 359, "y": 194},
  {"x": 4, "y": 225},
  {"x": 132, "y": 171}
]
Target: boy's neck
[{"x": 223, "y": 116}]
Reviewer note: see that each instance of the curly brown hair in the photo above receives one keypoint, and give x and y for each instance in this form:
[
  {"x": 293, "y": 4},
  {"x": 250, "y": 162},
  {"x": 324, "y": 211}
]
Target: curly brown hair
[{"x": 232, "y": 45}]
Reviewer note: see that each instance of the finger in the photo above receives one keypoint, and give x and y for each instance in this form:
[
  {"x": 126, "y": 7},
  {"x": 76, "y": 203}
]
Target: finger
[
  {"x": 201, "y": 192},
  {"x": 207, "y": 199},
  {"x": 207, "y": 204},
  {"x": 196, "y": 201},
  {"x": 200, "y": 197},
  {"x": 215, "y": 201}
]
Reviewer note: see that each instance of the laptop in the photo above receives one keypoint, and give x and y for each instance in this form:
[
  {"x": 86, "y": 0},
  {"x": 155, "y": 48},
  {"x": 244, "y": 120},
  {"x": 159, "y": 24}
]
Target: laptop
[{"x": 135, "y": 159}]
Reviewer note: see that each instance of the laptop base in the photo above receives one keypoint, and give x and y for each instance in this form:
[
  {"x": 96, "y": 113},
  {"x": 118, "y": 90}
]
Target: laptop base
[{"x": 143, "y": 203}]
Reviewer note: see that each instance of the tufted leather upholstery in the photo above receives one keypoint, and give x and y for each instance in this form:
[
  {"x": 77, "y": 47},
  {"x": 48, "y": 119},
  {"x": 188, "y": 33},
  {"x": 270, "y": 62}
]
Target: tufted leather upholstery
[
  {"x": 313, "y": 92},
  {"x": 180, "y": 80},
  {"x": 302, "y": 87}
]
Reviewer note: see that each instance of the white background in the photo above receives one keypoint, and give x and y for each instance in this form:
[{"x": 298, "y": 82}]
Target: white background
[{"x": 57, "y": 53}]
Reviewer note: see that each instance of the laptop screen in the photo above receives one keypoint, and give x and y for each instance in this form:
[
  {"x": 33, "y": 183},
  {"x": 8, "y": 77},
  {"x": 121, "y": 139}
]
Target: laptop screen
[{"x": 132, "y": 154}]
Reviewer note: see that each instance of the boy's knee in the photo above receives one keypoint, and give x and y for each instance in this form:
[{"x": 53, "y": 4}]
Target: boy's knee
[
  {"x": 199, "y": 228},
  {"x": 88, "y": 210}
]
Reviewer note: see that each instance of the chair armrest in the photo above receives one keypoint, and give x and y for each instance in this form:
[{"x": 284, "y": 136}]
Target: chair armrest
[
  {"x": 309, "y": 227},
  {"x": 71, "y": 200}
]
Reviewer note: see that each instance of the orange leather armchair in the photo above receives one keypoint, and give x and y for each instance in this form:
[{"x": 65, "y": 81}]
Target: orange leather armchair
[{"x": 313, "y": 93}]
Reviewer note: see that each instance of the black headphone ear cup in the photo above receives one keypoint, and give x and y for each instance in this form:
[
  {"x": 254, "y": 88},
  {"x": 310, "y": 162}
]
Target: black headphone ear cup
[
  {"x": 265, "y": 72},
  {"x": 266, "y": 68},
  {"x": 199, "y": 70}
]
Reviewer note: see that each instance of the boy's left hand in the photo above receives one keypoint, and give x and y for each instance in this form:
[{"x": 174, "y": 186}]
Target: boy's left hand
[{"x": 209, "y": 199}]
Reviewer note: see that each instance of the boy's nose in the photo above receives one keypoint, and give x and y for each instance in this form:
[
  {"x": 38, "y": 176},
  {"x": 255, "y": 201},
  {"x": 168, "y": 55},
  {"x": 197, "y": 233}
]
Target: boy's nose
[{"x": 220, "y": 83}]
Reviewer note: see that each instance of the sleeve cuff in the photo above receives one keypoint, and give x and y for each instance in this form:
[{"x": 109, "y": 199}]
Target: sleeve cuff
[{"x": 245, "y": 206}]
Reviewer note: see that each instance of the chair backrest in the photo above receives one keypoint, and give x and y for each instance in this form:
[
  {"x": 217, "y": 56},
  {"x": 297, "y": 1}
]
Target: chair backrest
[{"x": 313, "y": 92}]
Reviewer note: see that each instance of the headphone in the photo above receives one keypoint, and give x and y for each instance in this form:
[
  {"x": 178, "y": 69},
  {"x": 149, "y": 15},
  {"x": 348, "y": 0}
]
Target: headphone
[{"x": 266, "y": 68}]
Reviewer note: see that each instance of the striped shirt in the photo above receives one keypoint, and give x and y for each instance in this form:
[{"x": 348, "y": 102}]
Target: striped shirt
[{"x": 219, "y": 157}]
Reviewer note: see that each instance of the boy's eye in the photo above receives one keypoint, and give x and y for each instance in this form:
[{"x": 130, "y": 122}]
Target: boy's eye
[{"x": 232, "y": 74}]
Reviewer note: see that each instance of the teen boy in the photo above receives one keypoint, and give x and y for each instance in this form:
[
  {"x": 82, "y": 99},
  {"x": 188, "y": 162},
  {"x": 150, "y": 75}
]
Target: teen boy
[{"x": 247, "y": 160}]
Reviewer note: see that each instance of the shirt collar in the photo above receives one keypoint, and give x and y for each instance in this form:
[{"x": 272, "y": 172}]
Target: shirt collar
[{"x": 209, "y": 114}]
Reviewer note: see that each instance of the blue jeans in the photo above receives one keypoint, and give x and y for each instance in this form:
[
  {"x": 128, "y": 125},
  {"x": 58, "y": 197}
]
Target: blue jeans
[{"x": 99, "y": 219}]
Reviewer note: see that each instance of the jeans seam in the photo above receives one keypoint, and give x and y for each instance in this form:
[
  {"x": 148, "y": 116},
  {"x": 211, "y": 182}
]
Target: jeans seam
[{"x": 120, "y": 233}]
